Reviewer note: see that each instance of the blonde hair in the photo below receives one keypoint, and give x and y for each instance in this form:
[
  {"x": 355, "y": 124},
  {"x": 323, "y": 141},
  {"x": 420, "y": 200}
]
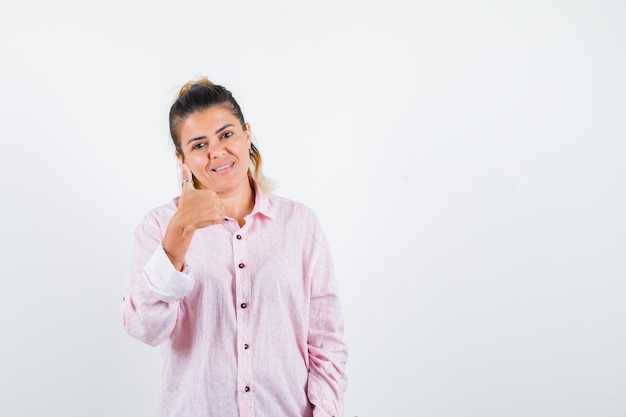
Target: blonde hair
[{"x": 199, "y": 95}]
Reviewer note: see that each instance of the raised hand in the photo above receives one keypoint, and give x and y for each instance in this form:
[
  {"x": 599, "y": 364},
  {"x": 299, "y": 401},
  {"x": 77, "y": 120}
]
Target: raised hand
[{"x": 197, "y": 208}]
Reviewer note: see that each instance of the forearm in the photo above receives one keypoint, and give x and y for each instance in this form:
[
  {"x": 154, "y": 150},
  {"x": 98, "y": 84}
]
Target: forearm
[
  {"x": 327, "y": 357},
  {"x": 146, "y": 317},
  {"x": 326, "y": 345},
  {"x": 176, "y": 241},
  {"x": 153, "y": 290}
]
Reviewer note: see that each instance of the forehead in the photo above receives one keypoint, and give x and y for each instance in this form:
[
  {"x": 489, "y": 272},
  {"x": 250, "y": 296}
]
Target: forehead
[{"x": 208, "y": 121}]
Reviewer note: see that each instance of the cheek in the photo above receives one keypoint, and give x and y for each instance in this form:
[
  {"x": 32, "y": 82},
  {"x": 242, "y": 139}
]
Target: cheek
[
  {"x": 245, "y": 156},
  {"x": 196, "y": 163}
]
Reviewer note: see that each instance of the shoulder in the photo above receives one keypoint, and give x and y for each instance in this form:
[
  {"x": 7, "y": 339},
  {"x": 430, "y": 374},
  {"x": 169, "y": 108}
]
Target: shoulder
[
  {"x": 161, "y": 215},
  {"x": 282, "y": 206},
  {"x": 291, "y": 215}
]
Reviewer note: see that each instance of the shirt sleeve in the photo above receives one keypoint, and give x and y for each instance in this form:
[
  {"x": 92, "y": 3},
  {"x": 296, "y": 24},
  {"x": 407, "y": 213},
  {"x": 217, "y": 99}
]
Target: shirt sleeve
[
  {"x": 327, "y": 380},
  {"x": 153, "y": 289},
  {"x": 167, "y": 283}
]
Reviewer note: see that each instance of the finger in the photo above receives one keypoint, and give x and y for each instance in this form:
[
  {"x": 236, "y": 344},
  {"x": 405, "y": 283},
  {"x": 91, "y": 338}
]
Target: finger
[{"x": 187, "y": 180}]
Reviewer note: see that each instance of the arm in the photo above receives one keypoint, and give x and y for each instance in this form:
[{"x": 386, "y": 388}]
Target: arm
[
  {"x": 326, "y": 347},
  {"x": 154, "y": 288},
  {"x": 159, "y": 278}
]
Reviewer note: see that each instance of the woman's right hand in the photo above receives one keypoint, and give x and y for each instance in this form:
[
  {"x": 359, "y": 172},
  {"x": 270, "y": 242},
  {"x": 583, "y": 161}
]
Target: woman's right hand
[{"x": 197, "y": 208}]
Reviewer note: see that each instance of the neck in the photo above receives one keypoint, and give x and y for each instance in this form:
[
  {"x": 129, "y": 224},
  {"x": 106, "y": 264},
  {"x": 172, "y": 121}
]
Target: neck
[{"x": 239, "y": 205}]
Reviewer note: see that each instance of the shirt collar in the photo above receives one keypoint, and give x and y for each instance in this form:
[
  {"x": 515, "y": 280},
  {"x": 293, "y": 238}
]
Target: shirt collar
[{"x": 262, "y": 203}]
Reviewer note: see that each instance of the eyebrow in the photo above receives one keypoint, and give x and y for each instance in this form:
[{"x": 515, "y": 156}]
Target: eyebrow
[{"x": 226, "y": 126}]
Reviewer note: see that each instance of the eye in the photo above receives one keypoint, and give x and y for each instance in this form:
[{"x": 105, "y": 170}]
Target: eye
[
  {"x": 226, "y": 135},
  {"x": 198, "y": 145}
]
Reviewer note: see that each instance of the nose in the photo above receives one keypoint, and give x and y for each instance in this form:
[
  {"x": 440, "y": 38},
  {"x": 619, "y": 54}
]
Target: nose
[{"x": 216, "y": 149}]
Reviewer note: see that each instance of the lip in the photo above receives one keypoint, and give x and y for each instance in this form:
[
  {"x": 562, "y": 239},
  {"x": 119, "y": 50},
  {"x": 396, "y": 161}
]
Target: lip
[{"x": 223, "y": 167}]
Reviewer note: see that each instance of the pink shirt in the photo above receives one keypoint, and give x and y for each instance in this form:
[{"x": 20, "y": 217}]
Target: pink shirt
[{"x": 252, "y": 326}]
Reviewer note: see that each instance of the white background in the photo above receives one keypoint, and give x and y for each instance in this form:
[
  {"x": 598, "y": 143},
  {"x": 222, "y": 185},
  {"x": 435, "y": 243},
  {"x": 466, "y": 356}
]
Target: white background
[{"x": 466, "y": 159}]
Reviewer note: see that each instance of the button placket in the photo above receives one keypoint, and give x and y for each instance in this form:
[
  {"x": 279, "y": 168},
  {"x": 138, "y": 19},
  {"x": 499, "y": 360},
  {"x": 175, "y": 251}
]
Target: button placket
[{"x": 243, "y": 291}]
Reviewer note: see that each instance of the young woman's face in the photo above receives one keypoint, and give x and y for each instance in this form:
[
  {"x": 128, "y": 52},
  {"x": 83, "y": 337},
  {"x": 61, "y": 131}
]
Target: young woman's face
[{"x": 216, "y": 149}]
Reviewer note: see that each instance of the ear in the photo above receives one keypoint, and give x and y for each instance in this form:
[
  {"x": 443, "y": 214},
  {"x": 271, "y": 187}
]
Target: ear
[
  {"x": 248, "y": 133},
  {"x": 179, "y": 156}
]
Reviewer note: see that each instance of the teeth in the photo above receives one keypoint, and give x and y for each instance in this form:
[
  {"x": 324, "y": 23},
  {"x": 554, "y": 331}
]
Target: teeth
[{"x": 222, "y": 168}]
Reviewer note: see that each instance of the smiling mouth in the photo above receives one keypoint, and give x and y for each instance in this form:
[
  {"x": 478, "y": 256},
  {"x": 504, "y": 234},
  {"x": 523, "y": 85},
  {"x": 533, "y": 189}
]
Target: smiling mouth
[{"x": 223, "y": 167}]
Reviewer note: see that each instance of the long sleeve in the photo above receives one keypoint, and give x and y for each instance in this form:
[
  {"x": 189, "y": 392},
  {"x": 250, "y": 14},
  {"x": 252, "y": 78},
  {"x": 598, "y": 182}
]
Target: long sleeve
[
  {"x": 327, "y": 380},
  {"x": 154, "y": 288}
]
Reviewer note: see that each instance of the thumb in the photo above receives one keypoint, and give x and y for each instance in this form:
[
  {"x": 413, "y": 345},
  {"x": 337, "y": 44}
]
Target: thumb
[{"x": 187, "y": 180}]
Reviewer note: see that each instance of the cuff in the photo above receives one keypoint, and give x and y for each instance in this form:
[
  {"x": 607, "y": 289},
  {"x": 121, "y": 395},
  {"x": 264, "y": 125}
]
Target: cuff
[
  {"x": 164, "y": 280},
  {"x": 328, "y": 408},
  {"x": 319, "y": 412}
]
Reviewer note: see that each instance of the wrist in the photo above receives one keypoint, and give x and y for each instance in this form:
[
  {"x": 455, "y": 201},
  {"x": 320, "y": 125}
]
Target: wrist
[
  {"x": 175, "y": 260},
  {"x": 179, "y": 228}
]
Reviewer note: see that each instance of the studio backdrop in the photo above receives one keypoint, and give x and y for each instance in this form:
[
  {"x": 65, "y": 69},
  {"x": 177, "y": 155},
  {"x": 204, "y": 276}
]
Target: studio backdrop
[{"x": 466, "y": 161}]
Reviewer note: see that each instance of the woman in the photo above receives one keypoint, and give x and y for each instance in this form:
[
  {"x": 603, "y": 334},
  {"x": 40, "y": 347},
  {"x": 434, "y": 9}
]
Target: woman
[{"x": 234, "y": 283}]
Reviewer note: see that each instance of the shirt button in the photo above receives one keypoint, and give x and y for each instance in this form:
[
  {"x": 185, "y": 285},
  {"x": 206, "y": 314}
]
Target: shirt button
[
  {"x": 246, "y": 346},
  {"x": 247, "y": 389},
  {"x": 244, "y": 305},
  {"x": 238, "y": 237},
  {"x": 241, "y": 265}
]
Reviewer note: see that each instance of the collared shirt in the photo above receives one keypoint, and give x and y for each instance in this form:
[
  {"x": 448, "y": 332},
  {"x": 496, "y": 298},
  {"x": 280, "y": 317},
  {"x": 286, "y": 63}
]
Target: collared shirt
[{"x": 252, "y": 326}]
